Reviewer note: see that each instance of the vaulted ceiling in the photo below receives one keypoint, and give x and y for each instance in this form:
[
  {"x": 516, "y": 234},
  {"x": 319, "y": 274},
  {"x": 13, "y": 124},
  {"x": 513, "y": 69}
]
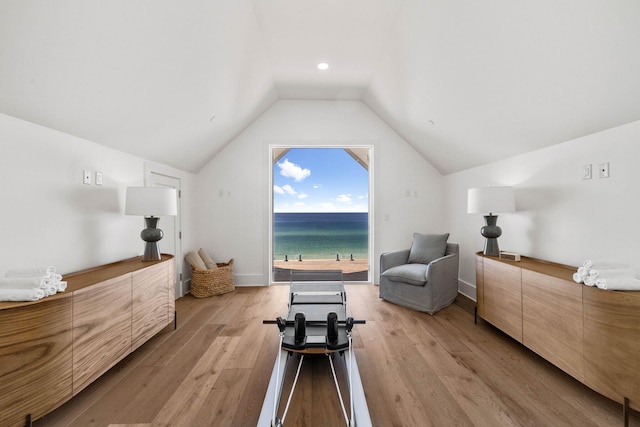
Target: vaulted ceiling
[{"x": 464, "y": 82}]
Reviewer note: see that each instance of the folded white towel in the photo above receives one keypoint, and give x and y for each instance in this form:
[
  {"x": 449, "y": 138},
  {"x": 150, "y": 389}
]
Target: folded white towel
[
  {"x": 583, "y": 271},
  {"x": 50, "y": 290},
  {"x": 31, "y": 272},
  {"x": 23, "y": 283},
  {"x": 590, "y": 280},
  {"x": 578, "y": 278},
  {"x": 613, "y": 272},
  {"x": 61, "y": 286},
  {"x": 21, "y": 294},
  {"x": 45, "y": 278},
  {"x": 604, "y": 263},
  {"x": 619, "y": 284}
]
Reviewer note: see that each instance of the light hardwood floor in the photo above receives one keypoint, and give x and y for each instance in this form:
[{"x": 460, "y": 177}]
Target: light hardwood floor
[{"x": 417, "y": 370}]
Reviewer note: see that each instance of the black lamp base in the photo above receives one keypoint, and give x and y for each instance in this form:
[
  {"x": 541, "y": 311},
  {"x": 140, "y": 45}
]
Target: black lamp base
[
  {"x": 491, "y": 231},
  {"x": 151, "y": 235}
]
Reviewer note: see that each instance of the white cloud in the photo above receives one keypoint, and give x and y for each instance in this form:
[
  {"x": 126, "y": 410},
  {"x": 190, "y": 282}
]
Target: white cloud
[
  {"x": 358, "y": 208},
  {"x": 344, "y": 198},
  {"x": 291, "y": 170},
  {"x": 281, "y": 207},
  {"x": 289, "y": 190},
  {"x": 327, "y": 206}
]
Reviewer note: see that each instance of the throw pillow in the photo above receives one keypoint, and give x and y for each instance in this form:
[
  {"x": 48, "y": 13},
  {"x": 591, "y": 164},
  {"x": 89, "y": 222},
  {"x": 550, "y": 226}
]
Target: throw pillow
[
  {"x": 195, "y": 261},
  {"x": 427, "y": 247},
  {"x": 208, "y": 261}
]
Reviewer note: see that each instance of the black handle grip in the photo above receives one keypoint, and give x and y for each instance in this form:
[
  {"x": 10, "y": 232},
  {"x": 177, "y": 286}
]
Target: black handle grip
[{"x": 313, "y": 322}]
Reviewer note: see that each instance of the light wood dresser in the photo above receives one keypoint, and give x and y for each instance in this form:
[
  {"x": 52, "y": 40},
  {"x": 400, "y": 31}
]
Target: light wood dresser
[
  {"x": 592, "y": 334},
  {"x": 53, "y": 348}
]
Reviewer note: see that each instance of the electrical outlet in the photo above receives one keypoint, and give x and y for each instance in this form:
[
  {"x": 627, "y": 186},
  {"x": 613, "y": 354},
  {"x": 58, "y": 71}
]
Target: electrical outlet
[
  {"x": 86, "y": 177},
  {"x": 604, "y": 170},
  {"x": 586, "y": 171}
]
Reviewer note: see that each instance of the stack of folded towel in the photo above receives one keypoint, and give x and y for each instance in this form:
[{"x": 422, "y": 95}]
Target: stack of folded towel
[
  {"x": 31, "y": 284},
  {"x": 607, "y": 274}
]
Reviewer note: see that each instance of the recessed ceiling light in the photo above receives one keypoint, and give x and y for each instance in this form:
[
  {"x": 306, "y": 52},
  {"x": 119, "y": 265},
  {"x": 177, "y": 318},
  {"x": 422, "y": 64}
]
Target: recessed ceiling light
[{"x": 323, "y": 66}]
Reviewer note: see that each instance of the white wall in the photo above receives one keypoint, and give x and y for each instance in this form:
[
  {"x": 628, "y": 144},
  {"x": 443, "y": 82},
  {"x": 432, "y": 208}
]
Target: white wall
[
  {"x": 48, "y": 216},
  {"x": 560, "y": 217},
  {"x": 237, "y": 226}
]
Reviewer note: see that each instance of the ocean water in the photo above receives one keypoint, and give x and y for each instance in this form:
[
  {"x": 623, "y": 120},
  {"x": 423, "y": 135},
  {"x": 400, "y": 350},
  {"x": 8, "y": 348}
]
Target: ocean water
[{"x": 321, "y": 235}]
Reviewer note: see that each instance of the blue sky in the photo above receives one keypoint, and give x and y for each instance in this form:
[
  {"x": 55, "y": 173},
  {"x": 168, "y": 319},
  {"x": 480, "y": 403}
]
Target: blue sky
[{"x": 319, "y": 180}]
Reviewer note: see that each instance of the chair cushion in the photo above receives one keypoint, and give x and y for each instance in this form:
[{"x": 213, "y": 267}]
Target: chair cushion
[
  {"x": 427, "y": 247},
  {"x": 413, "y": 274}
]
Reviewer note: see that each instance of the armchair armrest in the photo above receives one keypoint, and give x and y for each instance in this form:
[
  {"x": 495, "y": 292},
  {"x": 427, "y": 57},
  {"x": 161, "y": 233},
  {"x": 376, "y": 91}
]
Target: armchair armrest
[
  {"x": 443, "y": 272},
  {"x": 393, "y": 259}
]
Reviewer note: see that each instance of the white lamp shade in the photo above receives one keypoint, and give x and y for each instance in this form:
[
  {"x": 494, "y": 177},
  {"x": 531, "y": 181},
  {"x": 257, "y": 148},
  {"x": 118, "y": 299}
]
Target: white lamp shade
[
  {"x": 487, "y": 200},
  {"x": 151, "y": 201}
]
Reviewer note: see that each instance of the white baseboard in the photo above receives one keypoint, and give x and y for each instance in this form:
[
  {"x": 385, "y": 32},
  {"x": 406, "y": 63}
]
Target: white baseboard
[
  {"x": 250, "y": 280},
  {"x": 186, "y": 287},
  {"x": 467, "y": 289},
  {"x": 464, "y": 288}
]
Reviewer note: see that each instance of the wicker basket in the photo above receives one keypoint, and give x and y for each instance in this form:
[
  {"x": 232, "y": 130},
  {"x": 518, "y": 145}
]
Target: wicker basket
[{"x": 207, "y": 283}]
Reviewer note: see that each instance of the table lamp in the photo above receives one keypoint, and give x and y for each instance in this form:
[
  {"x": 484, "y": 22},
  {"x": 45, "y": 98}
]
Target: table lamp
[
  {"x": 151, "y": 202},
  {"x": 491, "y": 200}
]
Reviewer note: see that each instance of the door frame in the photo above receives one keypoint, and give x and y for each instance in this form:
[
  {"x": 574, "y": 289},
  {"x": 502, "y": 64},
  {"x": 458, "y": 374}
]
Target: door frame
[
  {"x": 346, "y": 144},
  {"x": 150, "y": 177}
]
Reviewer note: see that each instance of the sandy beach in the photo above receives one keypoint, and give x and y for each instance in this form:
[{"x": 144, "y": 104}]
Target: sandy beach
[{"x": 347, "y": 266}]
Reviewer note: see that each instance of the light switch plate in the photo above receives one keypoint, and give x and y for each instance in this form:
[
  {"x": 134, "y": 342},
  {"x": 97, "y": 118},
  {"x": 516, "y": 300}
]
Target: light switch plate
[{"x": 604, "y": 170}]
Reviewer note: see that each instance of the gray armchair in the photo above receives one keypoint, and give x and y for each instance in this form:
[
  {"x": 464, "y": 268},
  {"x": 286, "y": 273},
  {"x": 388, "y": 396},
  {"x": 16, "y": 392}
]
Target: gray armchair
[{"x": 423, "y": 278}]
